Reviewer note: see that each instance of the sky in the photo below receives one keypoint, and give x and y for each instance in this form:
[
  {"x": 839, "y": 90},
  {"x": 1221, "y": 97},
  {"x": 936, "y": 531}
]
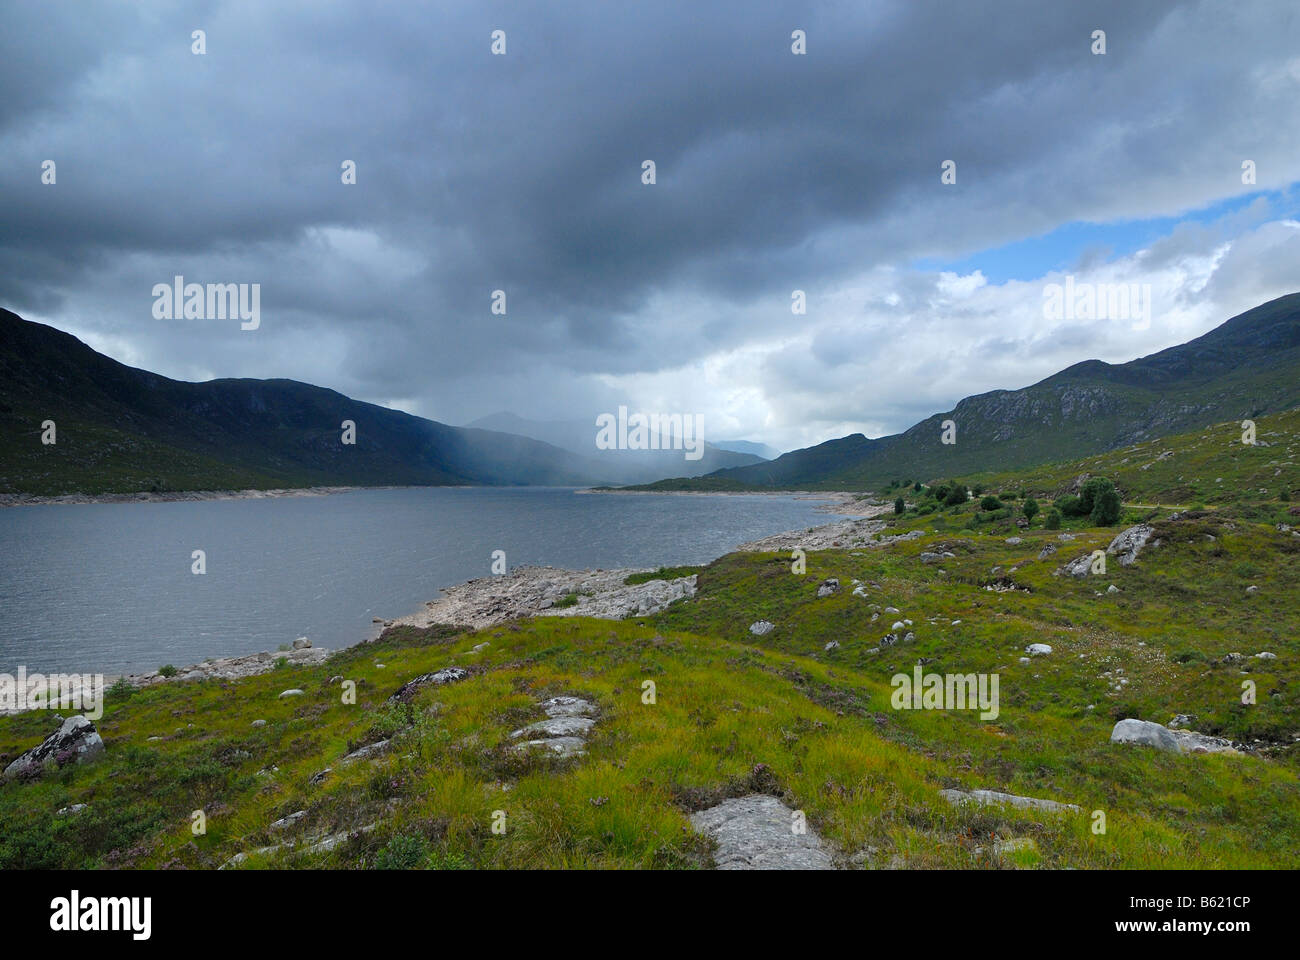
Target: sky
[{"x": 775, "y": 171}]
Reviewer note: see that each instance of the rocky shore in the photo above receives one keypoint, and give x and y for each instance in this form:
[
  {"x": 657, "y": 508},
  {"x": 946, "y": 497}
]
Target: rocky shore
[{"x": 177, "y": 496}]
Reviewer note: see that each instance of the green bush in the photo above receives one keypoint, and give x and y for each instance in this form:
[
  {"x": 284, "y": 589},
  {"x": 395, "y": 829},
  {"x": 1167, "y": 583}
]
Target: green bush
[
  {"x": 899, "y": 506},
  {"x": 1105, "y": 512},
  {"x": 990, "y": 503},
  {"x": 917, "y": 486},
  {"x": 167, "y": 670},
  {"x": 956, "y": 495},
  {"x": 1071, "y": 506},
  {"x": 402, "y": 853},
  {"x": 1053, "y": 521},
  {"x": 1031, "y": 509},
  {"x": 1091, "y": 492}
]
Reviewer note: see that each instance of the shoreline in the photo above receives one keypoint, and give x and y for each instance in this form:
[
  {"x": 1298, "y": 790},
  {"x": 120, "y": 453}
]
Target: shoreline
[
  {"x": 534, "y": 590},
  {"x": 171, "y": 496}
]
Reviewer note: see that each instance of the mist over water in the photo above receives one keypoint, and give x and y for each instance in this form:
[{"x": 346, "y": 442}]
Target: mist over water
[{"x": 108, "y": 587}]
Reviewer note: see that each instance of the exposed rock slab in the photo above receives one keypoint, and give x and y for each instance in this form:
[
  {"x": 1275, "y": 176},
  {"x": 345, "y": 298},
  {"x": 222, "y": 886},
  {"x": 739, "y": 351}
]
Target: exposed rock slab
[
  {"x": 986, "y": 798},
  {"x": 757, "y": 833}
]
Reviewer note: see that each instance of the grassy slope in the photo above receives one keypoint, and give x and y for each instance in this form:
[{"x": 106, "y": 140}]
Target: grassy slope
[{"x": 819, "y": 722}]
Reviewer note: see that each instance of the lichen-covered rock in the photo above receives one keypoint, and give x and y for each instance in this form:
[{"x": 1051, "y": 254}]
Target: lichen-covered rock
[
  {"x": 761, "y": 627},
  {"x": 436, "y": 679},
  {"x": 556, "y": 727},
  {"x": 828, "y": 586},
  {"x": 759, "y": 832},
  {"x": 1129, "y": 543},
  {"x": 76, "y": 741}
]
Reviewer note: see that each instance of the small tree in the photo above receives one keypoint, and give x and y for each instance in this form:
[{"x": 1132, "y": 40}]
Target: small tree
[
  {"x": 1031, "y": 509},
  {"x": 917, "y": 486},
  {"x": 956, "y": 495},
  {"x": 1053, "y": 521},
  {"x": 899, "y": 506},
  {"x": 1106, "y": 510},
  {"x": 990, "y": 503},
  {"x": 1091, "y": 490}
]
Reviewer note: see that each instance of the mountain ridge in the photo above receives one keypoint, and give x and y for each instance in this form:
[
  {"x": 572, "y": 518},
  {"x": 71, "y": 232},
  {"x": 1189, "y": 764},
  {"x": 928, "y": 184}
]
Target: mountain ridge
[{"x": 1248, "y": 365}]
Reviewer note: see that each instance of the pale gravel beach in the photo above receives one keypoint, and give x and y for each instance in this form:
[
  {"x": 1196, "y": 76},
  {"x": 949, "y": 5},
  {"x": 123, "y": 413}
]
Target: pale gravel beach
[{"x": 176, "y": 496}]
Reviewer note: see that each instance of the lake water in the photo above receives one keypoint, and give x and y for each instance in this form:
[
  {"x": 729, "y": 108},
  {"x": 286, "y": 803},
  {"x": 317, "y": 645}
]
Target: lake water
[{"x": 108, "y": 587}]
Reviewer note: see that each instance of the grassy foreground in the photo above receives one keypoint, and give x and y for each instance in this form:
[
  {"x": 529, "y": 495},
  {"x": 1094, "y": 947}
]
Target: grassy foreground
[{"x": 733, "y": 713}]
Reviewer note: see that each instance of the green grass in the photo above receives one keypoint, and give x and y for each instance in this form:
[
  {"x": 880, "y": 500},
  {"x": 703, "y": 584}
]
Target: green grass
[
  {"x": 663, "y": 573},
  {"x": 735, "y": 713}
]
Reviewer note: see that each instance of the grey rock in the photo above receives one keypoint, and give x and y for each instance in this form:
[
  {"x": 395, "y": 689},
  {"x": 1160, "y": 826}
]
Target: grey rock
[
  {"x": 302, "y": 643},
  {"x": 1038, "y": 649},
  {"x": 1112, "y": 589},
  {"x": 828, "y": 586},
  {"x": 368, "y": 752},
  {"x": 295, "y": 692},
  {"x": 832, "y": 645},
  {"x": 556, "y": 727},
  {"x": 1129, "y": 543},
  {"x": 756, "y": 833},
  {"x": 436, "y": 679},
  {"x": 1047, "y": 551},
  {"x": 568, "y": 707},
  {"x": 1265, "y": 655},
  {"x": 284, "y": 823},
  {"x": 76, "y": 740},
  {"x": 561, "y": 746},
  {"x": 1078, "y": 567},
  {"x": 259, "y": 723},
  {"x": 986, "y": 798},
  {"x": 1146, "y": 733},
  {"x": 761, "y": 628}
]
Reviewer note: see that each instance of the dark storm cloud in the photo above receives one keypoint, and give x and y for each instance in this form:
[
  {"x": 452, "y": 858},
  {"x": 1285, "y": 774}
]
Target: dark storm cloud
[{"x": 522, "y": 172}]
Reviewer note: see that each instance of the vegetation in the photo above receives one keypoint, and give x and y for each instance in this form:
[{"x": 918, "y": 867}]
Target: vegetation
[{"x": 734, "y": 712}]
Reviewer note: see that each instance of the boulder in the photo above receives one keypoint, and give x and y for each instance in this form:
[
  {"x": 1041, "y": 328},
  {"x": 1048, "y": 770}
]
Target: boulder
[
  {"x": 294, "y": 692},
  {"x": 436, "y": 679},
  {"x": 828, "y": 586},
  {"x": 1129, "y": 543},
  {"x": 76, "y": 741},
  {"x": 302, "y": 643},
  {"x": 1038, "y": 649},
  {"x": 1147, "y": 733},
  {"x": 761, "y": 628}
]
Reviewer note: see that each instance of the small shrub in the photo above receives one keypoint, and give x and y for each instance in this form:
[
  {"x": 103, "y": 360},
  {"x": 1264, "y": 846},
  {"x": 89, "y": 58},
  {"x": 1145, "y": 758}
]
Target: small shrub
[
  {"x": 990, "y": 503},
  {"x": 1030, "y": 509},
  {"x": 956, "y": 496},
  {"x": 167, "y": 670},
  {"x": 1053, "y": 521},
  {"x": 402, "y": 853},
  {"x": 568, "y": 600},
  {"x": 899, "y": 506}
]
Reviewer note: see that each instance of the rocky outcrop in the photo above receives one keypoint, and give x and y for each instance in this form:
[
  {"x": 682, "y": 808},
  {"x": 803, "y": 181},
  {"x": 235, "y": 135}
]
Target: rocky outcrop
[
  {"x": 1128, "y": 544},
  {"x": 563, "y": 732},
  {"x": 537, "y": 592},
  {"x": 759, "y": 832},
  {"x": 76, "y": 741}
]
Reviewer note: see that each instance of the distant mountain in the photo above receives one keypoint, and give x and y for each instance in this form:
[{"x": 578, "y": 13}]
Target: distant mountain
[
  {"x": 616, "y": 466},
  {"x": 119, "y": 429},
  {"x": 1247, "y": 366},
  {"x": 761, "y": 450}
]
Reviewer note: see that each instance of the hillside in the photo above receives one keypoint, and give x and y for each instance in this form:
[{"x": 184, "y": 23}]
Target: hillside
[
  {"x": 803, "y": 713},
  {"x": 1248, "y": 366},
  {"x": 123, "y": 430}
]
